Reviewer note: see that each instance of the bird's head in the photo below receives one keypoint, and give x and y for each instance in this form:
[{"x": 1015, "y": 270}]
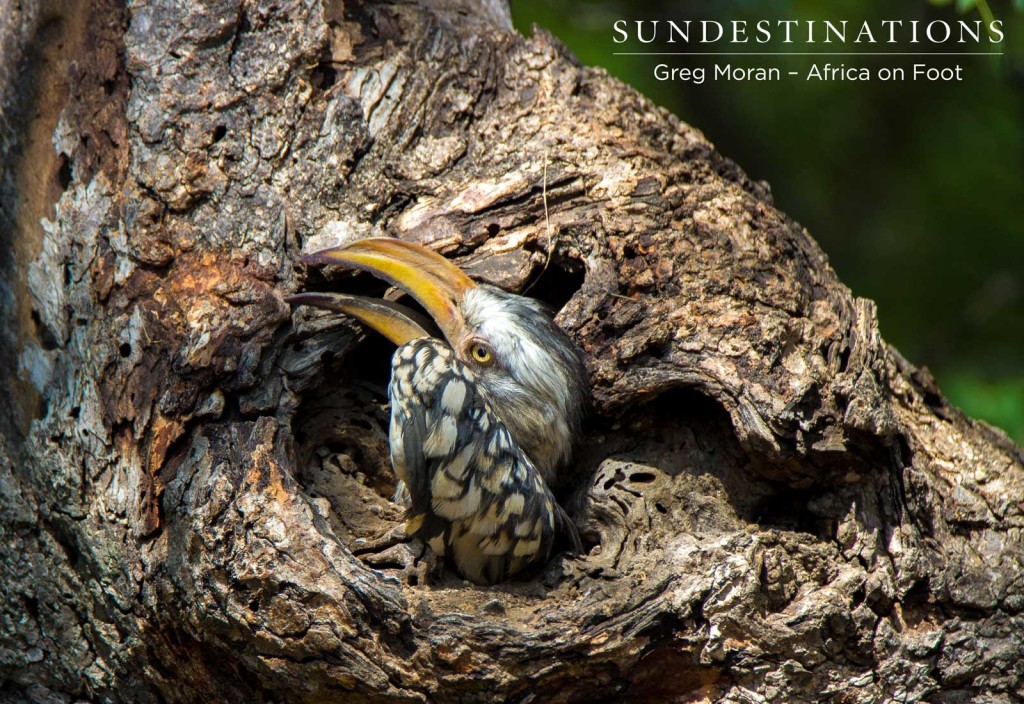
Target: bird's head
[{"x": 526, "y": 367}]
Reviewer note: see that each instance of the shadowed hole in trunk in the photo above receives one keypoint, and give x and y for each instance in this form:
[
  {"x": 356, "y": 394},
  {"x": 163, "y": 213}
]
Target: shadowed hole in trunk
[
  {"x": 673, "y": 465},
  {"x": 557, "y": 281}
]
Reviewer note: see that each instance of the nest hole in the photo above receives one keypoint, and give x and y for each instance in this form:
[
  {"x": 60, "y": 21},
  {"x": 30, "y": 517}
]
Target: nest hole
[{"x": 341, "y": 422}]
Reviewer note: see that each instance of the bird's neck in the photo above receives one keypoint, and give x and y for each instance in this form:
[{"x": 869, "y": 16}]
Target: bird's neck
[{"x": 544, "y": 437}]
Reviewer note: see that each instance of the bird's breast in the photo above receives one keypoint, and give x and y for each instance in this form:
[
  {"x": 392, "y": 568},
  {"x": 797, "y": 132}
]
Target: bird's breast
[{"x": 475, "y": 495}]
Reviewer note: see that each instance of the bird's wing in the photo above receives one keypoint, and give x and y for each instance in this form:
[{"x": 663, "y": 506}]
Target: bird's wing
[{"x": 475, "y": 495}]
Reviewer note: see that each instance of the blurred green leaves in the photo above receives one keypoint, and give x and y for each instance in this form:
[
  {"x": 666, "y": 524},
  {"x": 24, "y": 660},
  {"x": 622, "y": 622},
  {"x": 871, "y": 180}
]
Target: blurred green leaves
[
  {"x": 1000, "y": 403},
  {"x": 965, "y": 6}
]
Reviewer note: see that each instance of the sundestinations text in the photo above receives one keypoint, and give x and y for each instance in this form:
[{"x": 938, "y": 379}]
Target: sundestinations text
[{"x": 809, "y": 31}]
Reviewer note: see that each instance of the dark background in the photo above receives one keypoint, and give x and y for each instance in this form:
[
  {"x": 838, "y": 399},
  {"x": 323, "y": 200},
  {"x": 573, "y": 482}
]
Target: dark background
[{"x": 915, "y": 190}]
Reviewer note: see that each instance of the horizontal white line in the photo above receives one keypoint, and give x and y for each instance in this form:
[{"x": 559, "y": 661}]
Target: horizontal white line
[{"x": 807, "y": 53}]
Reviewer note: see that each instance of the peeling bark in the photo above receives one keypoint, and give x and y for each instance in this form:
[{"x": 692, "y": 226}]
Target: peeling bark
[{"x": 193, "y": 483}]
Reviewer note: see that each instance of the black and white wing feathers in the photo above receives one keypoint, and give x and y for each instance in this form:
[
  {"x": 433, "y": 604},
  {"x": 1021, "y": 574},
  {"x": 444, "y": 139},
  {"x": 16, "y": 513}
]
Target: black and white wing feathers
[{"x": 475, "y": 495}]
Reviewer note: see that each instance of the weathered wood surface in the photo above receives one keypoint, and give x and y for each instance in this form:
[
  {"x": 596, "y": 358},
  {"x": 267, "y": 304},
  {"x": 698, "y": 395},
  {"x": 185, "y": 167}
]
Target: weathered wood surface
[{"x": 193, "y": 485}]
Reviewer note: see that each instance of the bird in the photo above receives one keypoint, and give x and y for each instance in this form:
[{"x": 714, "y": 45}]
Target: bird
[{"x": 483, "y": 414}]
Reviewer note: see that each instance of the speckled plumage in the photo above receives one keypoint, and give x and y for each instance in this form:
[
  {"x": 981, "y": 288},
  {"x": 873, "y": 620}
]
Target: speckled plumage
[
  {"x": 481, "y": 420},
  {"x": 475, "y": 496}
]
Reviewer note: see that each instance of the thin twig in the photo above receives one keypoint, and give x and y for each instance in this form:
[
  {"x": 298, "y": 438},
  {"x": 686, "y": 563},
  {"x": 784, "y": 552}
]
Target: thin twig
[{"x": 547, "y": 223}]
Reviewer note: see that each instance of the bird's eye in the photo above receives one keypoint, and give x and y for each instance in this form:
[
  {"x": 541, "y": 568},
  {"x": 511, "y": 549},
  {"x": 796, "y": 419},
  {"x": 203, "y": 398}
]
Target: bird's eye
[{"x": 481, "y": 353}]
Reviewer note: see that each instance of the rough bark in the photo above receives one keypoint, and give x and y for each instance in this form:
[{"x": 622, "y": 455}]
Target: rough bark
[{"x": 193, "y": 485}]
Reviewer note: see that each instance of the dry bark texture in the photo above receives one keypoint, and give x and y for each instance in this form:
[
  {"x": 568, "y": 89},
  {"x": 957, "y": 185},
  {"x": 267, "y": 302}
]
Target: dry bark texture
[{"x": 777, "y": 507}]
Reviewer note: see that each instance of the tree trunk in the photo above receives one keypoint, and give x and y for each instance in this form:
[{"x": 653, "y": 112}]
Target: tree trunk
[{"x": 193, "y": 484}]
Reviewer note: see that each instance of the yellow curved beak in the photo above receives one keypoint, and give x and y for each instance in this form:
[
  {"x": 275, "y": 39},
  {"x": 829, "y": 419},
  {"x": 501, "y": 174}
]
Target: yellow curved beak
[
  {"x": 392, "y": 320},
  {"x": 436, "y": 283}
]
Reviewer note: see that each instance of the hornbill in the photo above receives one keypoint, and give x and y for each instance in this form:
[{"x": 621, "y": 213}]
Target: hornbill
[{"x": 481, "y": 420}]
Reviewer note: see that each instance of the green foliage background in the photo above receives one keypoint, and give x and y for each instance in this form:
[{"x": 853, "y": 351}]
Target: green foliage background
[{"x": 914, "y": 189}]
